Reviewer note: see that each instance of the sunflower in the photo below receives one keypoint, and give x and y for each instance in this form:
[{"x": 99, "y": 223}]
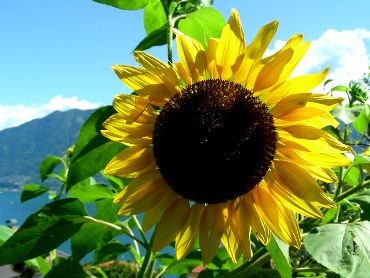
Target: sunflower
[{"x": 224, "y": 143}]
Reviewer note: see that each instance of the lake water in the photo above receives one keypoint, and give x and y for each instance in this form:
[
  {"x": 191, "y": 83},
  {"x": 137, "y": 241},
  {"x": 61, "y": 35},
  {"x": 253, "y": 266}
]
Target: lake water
[{"x": 11, "y": 206}]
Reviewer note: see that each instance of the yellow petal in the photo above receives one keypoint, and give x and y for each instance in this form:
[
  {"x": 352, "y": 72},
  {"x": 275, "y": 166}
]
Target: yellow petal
[
  {"x": 320, "y": 121},
  {"x": 144, "y": 84},
  {"x": 271, "y": 72},
  {"x": 292, "y": 201},
  {"x": 186, "y": 238},
  {"x": 134, "y": 109},
  {"x": 230, "y": 46},
  {"x": 231, "y": 244},
  {"x": 300, "y": 183},
  {"x": 211, "y": 229},
  {"x": 152, "y": 216},
  {"x": 259, "y": 227},
  {"x": 162, "y": 70},
  {"x": 279, "y": 219},
  {"x": 258, "y": 46},
  {"x": 171, "y": 223},
  {"x": 323, "y": 174},
  {"x": 325, "y": 160},
  {"x": 211, "y": 56},
  {"x": 299, "y": 84},
  {"x": 131, "y": 160},
  {"x": 191, "y": 55},
  {"x": 305, "y": 134}
]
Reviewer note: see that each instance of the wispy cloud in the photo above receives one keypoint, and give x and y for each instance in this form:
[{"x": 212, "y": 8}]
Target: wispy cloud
[
  {"x": 344, "y": 51},
  {"x": 14, "y": 115}
]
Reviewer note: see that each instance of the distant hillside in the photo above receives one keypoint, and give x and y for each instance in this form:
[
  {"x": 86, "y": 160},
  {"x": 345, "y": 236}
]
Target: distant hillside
[{"x": 22, "y": 148}]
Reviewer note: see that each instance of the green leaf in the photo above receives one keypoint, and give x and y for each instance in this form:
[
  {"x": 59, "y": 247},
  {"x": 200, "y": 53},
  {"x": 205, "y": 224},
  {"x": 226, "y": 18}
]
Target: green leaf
[
  {"x": 340, "y": 88},
  {"x": 5, "y": 233},
  {"x": 92, "y": 151},
  {"x": 110, "y": 252},
  {"x": 44, "y": 231},
  {"x": 363, "y": 199},
  {"x": 360, "y": 124},
  {"x": 32, "y": 190},
  {"x": 179, "y": 267},
  {"x": 345, "y": 114},
  {"x": 203, "y": 24},
  {"x": 360, "y": 159},
  {"x": 48, "y": 165},
  {"x": 124, "y": 4},
  {"x": 279, "y": 252},
  {"x": 155, "y": 38},
  {"x": 342, "y": 248},
  {"x": 67, "y": 268},
  {"x": 154, "y": 16},
  {"x": 81, "y": 241},
  {"x": 41, "y": 264},
  {"x": 90, "y": 193},
  {"x": 351, "y": 176}
]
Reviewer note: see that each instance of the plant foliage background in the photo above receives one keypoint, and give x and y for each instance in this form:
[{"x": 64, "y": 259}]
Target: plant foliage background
[{"x": 336, "y": 246}]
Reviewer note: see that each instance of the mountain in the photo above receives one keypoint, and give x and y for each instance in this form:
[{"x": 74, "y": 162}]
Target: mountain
[{"x": 22, "y": 148}]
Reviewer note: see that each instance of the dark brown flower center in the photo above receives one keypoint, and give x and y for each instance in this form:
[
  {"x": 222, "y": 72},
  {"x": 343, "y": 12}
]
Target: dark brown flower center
[{"x": 214, "y": 141}]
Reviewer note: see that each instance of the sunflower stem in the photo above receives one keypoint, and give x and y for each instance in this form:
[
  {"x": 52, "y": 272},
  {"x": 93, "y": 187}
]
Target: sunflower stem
[
  {"x": 171, "y": 24},
  {"x": 145, "y": 266},
  {"x": 349, "y": 192}
]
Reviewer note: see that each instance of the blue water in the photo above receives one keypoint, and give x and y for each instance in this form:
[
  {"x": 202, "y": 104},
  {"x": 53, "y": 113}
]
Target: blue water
[{"x": 11, "y": 206}]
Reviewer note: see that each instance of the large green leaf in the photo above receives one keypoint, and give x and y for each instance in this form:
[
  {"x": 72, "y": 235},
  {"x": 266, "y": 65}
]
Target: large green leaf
[
  {"x": 184, "y": 266},
  {"x": 92, "y": 151},
  {"x": 32, "y": 190},
  {"x": 279, "y": 252},
  {"x": 90, "y": 193},
  {"x": 67, "y": 268},
  {"x": 351, "y": 176},
  {"x": 48, "y": 165},
  {"x": 203, "y": 24},
  {"x": 124, "y": 4},
  {"x": 155, "y": 38},
  {"x": 342, "y": 248},
  {"x": 82, "y": 244},
  {"x": 44, "y": 231},
  {"x": 154, "y": 16}
]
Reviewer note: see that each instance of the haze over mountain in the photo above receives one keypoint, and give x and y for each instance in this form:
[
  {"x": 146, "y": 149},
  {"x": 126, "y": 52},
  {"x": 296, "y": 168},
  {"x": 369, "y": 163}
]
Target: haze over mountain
[{"x": 22, "y": 148}]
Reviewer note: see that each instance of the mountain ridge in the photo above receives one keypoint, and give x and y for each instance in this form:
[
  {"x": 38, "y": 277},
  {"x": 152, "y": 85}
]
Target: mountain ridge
[{"x": 22, "y": 148}]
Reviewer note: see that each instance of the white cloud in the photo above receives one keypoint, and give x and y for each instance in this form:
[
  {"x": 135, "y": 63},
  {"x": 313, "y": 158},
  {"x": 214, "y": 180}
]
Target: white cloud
[
  {"x": 344, "y": 51},
  {"x": 14, "y": 115}
]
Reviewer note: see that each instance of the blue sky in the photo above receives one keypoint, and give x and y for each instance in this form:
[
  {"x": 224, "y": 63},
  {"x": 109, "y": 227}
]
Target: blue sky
[{"x": 57, "y": 54}]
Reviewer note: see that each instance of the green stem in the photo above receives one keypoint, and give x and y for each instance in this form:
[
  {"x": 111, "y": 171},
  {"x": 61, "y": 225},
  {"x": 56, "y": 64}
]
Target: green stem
[
  {"x": 116, "y": 227},
  {"x": 142, "y": 234},
  {"x": 349, "y": 192},
  {"x": 310, "y": 269},
  {"x": 146, "y": 263},
  {"x": 259, "y": 258}
]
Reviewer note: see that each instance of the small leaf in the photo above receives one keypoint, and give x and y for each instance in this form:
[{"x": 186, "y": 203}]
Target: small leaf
[
  {"x": 90, "y": 193},
  {"x": 154, "y": 16},
  {"x": 340, "y": 88},
  {"x": 360, "y": 159},
  {"x": 351, "y": 176},
  {"x": 110, "y": 252},
  {"x": 92, "y": 146},
  {"x": 124, "y": 4},
  {"x": 67, "y": 268},
  {"x": 179, "y": 267},
  {"x": 362, "y": 121},
  {"x": 155, "y": 38},
  {"x": 44, "y": 231},
  {"x": 342, "y": 248},
  {"x": 279, "y": 252},
  {"x": 5, "y": 233},
  {"x": 32, "y": 190},
  {"x": 345, "y": 114},
  {"x": 48, "y": 165},
  {"x": 363, "y": 199},
  {"x": 203, "y": 24}
]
